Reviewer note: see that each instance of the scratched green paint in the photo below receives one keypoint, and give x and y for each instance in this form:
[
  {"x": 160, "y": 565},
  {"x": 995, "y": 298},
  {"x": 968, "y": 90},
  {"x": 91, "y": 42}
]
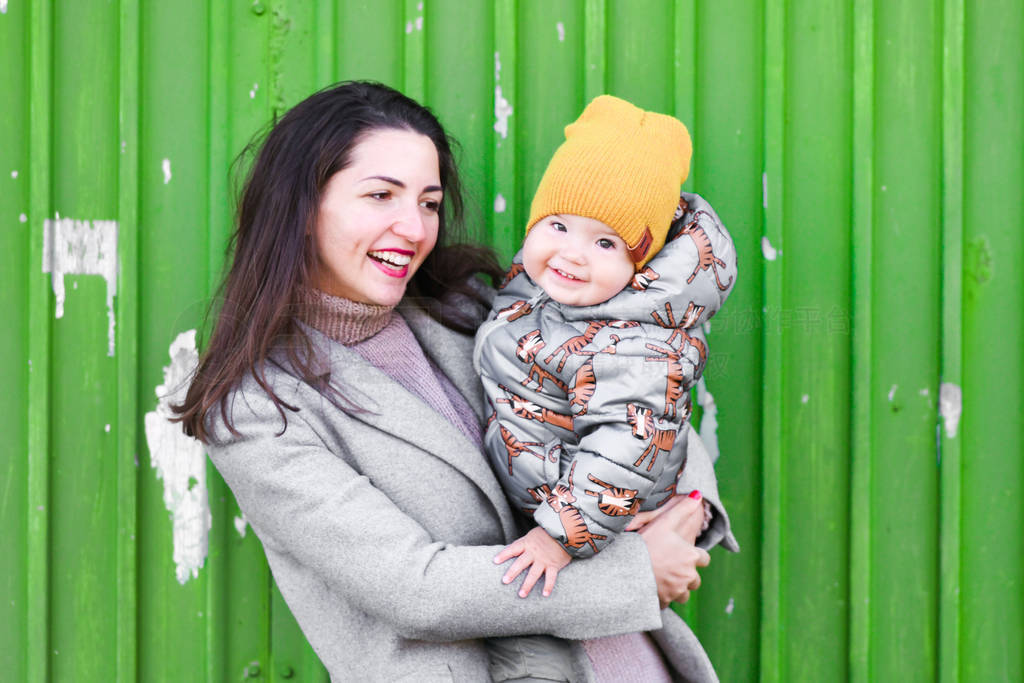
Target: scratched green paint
[{"x": 876, "y": 146}]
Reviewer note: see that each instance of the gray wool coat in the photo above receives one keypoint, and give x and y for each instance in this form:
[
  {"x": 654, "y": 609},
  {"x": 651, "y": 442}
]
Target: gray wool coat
[{"x": 380, "y": 528}]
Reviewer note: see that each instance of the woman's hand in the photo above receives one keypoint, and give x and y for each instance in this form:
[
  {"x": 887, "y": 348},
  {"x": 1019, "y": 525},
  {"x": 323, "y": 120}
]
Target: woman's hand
[
  {"x": 692, "y": 524},
  {"x": 543, "y": 555},
  {"x": 674, "y": 559}
]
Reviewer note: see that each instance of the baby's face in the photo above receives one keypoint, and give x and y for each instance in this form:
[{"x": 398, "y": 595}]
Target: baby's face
[{"x": 578, "y": 261}]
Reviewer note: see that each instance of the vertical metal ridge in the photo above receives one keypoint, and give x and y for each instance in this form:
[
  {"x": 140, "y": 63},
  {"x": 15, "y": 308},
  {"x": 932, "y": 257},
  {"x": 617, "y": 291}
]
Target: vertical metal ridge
[
  {"x": 324, "y": 41},
  {"x": 414, "y": 50},
  {"x": 505, "y": 179},
  {"x": 128, "y": 340},
  {"x": 595, "y": 31},
  {"x": 862, "y": 234},
  {"x": 949, "y": 449},
  {"x": 39, "y": 342},
  {"x": 685, "y": 90},
  {"x": 773, "y": 492},
  {"x": 218, "y": 50}
]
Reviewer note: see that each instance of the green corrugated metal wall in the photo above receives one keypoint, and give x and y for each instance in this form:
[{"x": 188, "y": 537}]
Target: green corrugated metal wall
[{"x": 867, "y": 157}]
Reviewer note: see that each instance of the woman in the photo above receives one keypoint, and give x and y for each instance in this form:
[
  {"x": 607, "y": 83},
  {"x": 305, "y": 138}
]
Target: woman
[{"x": 339, "y": 403}]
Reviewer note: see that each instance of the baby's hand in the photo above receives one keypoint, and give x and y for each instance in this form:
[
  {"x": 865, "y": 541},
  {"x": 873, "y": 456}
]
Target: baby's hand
[{"x": 540, "y": 553}]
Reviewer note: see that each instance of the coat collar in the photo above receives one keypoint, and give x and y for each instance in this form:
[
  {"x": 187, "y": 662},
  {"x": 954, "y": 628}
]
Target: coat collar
[{"x": 393, "y": 409}]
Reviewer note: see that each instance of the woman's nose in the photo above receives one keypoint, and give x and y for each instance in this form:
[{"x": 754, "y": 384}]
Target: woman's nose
[{"x": 410, "y": 224}]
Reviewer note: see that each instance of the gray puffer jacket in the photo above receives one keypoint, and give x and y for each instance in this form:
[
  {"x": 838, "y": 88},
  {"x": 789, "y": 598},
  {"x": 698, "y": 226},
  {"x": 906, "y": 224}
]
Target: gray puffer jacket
[{"x": 589, "y": 403}]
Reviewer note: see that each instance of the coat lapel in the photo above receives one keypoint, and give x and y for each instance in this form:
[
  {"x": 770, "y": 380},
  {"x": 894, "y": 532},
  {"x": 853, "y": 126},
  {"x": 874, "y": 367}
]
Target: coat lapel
[{"x": 393, "y": 409}]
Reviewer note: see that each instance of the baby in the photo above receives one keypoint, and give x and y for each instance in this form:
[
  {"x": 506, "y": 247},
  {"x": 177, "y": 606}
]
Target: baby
[{"x": 594, "y": 340}]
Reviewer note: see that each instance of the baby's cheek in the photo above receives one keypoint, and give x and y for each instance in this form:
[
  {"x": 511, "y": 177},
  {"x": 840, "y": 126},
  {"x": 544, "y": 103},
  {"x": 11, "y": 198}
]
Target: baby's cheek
[{"x": 532, "y": 262}]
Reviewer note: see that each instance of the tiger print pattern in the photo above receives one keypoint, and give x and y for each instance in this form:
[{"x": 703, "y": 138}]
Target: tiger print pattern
[{"x": 602, "y": 395}]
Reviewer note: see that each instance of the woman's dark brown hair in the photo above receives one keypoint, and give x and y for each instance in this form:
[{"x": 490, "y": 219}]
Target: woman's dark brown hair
[{"x": 273, "y": 247}]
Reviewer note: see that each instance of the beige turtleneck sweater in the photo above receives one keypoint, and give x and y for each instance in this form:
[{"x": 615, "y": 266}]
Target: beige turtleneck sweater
[{"x": 386, "y": 342}]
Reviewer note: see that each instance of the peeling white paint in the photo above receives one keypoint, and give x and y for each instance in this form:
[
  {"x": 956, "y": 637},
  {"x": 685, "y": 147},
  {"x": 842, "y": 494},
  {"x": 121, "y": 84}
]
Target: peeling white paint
[
  {"x": 499, "y": 204},
  {"x": 560, "y": 27},
  {"x": 180, "y": 463},
  {"x": 892, "y": 391},
  {"x": 950, "y": 407},
  {"x": 709, "y": 421},
  {"x": 14, "y": 173},
  {"x": 770, "y": 252},
  {"x": 106, "y": 428},
  {"x": 23, "y": 218},
  {"x": 408, "y": 27},
  {"x": 805, "y": 398},
  {"x": 730, "y": 606},
  {"x": 3, "y": 6},
  {"x": 252, "y": 92},
  {"x": 502, "y": 110},
  {"x": 884, "y": 188},
  {"x": 764, "y": 189},
  {"x": 75, "y": 247},
  {"x": 923, "y": 392},
  {"x": 166, "y": 166},
  {"x": 240, "y": 525},
  {"x": 419, "y": 23},
  {"x": 419, "y": 7}
]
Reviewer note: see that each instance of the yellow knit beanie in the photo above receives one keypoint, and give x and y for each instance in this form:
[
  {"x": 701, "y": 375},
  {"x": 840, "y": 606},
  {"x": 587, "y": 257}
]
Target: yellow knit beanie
[{"x": 620, "y": 165}]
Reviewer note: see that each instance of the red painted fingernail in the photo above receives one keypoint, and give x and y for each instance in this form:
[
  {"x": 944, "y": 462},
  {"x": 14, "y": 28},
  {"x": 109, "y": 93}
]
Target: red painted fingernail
[{"x": 695, "y": 494}]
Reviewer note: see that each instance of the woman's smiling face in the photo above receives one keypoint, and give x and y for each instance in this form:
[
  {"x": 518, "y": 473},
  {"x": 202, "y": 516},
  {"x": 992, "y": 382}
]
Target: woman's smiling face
[{"x": 378, "y": 217}]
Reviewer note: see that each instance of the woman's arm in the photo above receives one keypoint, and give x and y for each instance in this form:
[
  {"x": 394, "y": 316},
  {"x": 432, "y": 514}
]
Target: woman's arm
[{"x": 305, "y": 502}]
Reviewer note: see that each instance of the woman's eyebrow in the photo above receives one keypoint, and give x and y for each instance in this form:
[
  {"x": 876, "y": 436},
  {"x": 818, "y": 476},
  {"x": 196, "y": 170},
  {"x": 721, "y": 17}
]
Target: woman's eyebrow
[
  {"x": 399, "y": 183},
  {"x": 386, "y": 179}
]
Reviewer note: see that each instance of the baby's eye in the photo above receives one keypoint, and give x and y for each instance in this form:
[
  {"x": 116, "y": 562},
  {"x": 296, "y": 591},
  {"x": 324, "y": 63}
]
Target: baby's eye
[
  {"x": 606, "y": 243},
  {"x": 560, "y": 227}
]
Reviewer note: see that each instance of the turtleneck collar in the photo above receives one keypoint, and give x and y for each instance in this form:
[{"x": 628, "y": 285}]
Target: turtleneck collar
[{"x": 343, "y": 320}]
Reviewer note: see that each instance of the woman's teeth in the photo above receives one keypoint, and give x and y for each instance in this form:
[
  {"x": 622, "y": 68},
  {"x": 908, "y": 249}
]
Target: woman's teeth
[{"x": 392, "y": 258}]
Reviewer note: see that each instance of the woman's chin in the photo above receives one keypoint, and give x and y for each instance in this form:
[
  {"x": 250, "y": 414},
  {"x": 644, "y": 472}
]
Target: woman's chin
[{"x": 388, "y": 293}]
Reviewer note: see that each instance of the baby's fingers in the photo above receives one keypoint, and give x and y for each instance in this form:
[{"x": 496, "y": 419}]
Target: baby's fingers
[
  {"x": 550, "y": 576},
  {"x": 521, "y": 563},
  {"x": 536, "y": 570},
  {"x": 514, "y": 549}
]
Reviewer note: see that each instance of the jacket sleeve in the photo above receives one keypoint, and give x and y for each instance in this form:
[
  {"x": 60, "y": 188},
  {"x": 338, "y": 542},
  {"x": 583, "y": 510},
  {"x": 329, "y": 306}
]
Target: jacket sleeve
[
  {"x": 626, "y": 438},
  {"x": 699, "y": 474},
  {"x": 308, "y": 503}
]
